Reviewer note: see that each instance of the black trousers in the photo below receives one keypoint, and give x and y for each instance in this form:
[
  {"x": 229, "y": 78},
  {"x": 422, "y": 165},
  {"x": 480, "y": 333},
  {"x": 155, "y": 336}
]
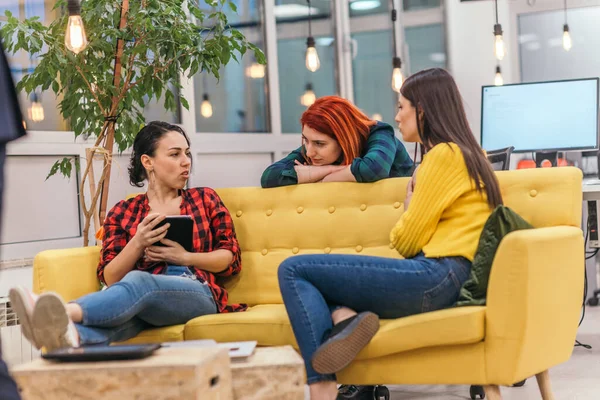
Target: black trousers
[{"x": 8, "y": 387}]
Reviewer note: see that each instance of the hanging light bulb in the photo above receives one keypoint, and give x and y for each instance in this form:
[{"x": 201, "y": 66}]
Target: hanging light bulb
[
  {"x": 308, "y": 98},
  {"x": 397, "y": 77},
  {"x": 567, "y": 43},
  {"x": 255, "y": 71},
  {"x": 75, "y": 38},
  {"x": 312, "y": 58},
  {"x": 206, "y": 108},
  {"x": 498, "y": 80},
  {"x": 36, "y": 110},
  {"x": 377, "y": 117},
  {"x": 499, "y": 48}
]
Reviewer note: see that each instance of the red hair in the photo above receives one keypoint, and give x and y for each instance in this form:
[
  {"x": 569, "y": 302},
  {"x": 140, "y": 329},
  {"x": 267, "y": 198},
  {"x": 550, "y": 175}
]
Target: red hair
[{"x": 341, "y": 120}]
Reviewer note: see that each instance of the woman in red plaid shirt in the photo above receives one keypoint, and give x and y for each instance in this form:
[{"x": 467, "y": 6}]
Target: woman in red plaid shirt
[{"x": 147, "y": 285}]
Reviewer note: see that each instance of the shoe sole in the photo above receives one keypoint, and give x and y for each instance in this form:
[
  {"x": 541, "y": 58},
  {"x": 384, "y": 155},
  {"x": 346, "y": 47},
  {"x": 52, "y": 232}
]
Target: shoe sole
[
  {"x": 335, "y": 355},
  {"x": 50, "y": 322},
  {"x": 19, "y": 301}
]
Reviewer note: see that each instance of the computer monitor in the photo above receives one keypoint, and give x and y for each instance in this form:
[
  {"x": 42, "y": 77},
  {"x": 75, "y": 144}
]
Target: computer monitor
[{"x": 541, "y": 117}]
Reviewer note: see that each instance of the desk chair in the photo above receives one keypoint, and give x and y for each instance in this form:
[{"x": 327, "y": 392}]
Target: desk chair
[{"x": 500, "y": 159}]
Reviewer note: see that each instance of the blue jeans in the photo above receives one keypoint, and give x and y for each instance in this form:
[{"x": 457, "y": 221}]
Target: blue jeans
[
  {"x": 314, "y": 285},
  {"x": 140, "y": 301}
]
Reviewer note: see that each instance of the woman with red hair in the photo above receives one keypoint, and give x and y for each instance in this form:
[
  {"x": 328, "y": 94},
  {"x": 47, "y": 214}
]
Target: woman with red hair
[{"x": 340, "y": 144}]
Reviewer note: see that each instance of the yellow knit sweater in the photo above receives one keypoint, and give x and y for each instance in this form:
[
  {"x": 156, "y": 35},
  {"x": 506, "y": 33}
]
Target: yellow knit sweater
[{"x": 446, "y": 214}]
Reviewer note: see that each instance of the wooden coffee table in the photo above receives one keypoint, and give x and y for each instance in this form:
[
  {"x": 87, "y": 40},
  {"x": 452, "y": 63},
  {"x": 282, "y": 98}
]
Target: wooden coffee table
[
  {"x": 169, "y": 374},
  {"x": 271, "y": 373}
]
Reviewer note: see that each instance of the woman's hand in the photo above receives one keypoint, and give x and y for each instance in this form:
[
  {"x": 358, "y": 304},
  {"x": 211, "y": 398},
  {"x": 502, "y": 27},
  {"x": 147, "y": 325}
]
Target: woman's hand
[
  {"x": 171, "y": 252},
  {"x": 146, "y": 234},
  {"x": 410, "y": 188},
  {"x": 314, "y": 173},
  {"x": 342, "y": 173}
]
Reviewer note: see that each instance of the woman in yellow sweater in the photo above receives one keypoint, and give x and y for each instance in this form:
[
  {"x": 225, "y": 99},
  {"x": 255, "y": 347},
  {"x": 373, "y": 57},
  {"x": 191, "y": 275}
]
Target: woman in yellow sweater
[{"x": 335, "y": 301}]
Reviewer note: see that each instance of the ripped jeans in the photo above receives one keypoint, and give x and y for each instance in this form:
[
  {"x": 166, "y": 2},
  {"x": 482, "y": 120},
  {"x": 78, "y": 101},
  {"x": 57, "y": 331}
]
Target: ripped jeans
[{"x": 141, "y": 301}]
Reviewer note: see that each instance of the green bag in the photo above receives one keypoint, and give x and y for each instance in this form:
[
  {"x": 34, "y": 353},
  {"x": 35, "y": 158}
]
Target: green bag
[{"x": 501, "y": 222}]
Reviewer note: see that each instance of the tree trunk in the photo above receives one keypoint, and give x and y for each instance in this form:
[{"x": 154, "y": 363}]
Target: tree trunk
[
  {"x": 89, "y": 213},
  {"x": 110, "y": 136}
]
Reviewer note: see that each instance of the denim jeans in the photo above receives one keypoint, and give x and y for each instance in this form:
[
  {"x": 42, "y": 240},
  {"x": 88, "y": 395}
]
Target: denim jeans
[
  {"x": 140, "y": 301},
  {"x": 314, "y": 285}
]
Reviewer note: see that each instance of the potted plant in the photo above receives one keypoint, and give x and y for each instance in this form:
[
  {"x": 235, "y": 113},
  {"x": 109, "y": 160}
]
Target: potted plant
[{"x": 136, "y": 51}]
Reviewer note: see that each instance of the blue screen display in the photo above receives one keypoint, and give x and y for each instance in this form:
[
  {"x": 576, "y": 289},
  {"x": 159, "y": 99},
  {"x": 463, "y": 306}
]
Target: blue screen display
[{"x": 540, "y": 116}]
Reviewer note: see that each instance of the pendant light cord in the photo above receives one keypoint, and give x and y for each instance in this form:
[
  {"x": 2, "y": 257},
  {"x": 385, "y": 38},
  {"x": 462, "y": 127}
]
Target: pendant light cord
[
  {"x": 496, "y": 2},
  {"x": 205, "y": 82},
  {"x": 309, "y": 19},
  {"x": 394, "y": 18}
]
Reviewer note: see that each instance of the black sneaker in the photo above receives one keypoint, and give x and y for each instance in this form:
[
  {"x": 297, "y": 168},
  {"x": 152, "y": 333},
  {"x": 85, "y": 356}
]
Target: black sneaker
[
  {"x": 345, "y": 341},
  {"x": 353, "y": 392}
]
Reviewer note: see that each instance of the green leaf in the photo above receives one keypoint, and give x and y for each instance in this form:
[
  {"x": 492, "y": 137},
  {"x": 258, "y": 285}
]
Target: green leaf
[
  {"x": 184, "y": 103},
  {"x": 53, "y": 170},
  {"x": 233, "y": 6},
  {"x": 66, "y": 167},
  {"x": 259, "y": 55},
  {"x": 169, "y": 100}
]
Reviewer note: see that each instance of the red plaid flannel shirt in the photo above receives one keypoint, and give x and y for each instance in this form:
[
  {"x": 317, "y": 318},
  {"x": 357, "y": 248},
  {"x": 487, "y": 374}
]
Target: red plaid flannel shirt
[{"x": 213, "y": 230}]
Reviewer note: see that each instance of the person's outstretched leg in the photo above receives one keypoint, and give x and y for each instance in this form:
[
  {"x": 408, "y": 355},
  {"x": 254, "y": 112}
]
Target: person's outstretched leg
[
  {"x": 139, "y": 301},
  {"x": 51, "y": 325}
]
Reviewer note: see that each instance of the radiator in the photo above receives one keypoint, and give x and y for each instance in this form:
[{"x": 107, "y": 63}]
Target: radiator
[{"x": 15, "y": 348}]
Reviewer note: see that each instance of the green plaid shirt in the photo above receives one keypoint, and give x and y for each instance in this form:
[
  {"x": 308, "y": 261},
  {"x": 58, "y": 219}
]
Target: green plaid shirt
[{"x": 384, "y": 157}]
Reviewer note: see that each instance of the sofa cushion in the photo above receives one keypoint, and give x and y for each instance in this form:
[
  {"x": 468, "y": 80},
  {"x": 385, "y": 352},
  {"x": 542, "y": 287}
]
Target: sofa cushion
[
  {"x": 447, "y": 327},
  {"x": 270, "y": 326},
  {"x": 158, "y": 335}
]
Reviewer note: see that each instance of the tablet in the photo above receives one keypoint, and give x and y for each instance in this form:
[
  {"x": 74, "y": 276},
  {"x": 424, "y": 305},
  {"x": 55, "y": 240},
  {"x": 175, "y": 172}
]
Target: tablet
[
  {"x": 180, "y": 231},
  {"x": 102, "y": 353}
]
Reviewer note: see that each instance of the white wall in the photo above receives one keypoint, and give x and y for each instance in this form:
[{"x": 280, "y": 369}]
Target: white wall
[
  {"x": 470, "y": 47},
  {"x": 31, "y": 199}
]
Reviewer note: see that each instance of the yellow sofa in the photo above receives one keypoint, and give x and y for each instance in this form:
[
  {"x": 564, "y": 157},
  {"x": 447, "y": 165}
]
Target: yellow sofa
[{"x": 534, "y": 296}]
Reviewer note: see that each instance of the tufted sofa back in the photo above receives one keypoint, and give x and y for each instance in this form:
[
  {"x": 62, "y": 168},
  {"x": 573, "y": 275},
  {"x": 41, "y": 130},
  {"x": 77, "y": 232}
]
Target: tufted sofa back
[{"x": 356, "y": 218}]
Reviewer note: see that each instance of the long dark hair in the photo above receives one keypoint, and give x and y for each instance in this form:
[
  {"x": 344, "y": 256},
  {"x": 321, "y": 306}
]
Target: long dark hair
[
  {"x": 145, "y": 142},
  {"x": 441, "y": 118}
]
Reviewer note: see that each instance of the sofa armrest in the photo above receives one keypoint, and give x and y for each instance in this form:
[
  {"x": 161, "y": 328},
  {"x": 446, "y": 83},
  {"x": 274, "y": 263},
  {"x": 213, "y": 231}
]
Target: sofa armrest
[
  {"x": 534, "y": 302},
  {"x": 69, "y": 272}
]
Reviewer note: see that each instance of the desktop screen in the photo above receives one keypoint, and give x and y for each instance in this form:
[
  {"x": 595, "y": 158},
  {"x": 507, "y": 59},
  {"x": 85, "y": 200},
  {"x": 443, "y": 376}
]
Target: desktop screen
[{"x": 540, "y": 116}]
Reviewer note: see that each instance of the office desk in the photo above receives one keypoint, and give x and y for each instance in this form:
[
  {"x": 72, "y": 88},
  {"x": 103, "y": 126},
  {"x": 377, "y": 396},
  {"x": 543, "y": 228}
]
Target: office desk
[{"x": 591, "y": 191}]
